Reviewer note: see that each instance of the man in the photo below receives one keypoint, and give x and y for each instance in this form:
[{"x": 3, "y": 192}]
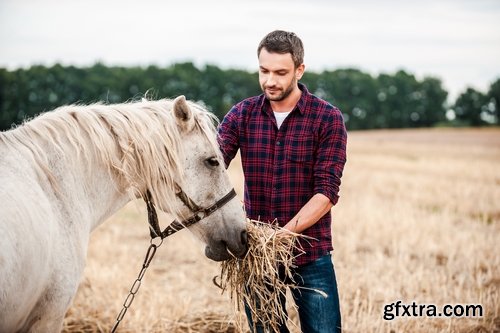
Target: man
[{"x": 293, "y": 151}]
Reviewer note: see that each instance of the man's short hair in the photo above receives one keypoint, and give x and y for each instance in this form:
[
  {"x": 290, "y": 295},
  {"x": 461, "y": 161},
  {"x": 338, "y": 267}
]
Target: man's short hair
[{"x": 283, "y": 42}]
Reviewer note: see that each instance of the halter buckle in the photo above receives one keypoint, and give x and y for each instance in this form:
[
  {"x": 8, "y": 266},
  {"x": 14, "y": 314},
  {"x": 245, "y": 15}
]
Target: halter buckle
[{"x": 210, "y": 210}]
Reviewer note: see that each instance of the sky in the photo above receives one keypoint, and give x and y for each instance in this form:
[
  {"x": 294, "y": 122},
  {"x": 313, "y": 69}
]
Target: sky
[{"x": 457, "y": 41}]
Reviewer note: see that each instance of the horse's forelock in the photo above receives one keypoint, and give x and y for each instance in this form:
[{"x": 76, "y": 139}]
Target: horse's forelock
[{"x": 206, "y": 122}]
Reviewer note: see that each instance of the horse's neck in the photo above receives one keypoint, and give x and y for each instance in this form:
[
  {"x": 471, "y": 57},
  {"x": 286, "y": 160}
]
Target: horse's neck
[{"x": 85, "y": 188}]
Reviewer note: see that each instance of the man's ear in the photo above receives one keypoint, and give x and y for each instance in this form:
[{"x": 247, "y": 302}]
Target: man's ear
[{"x": 299, "y": 71}]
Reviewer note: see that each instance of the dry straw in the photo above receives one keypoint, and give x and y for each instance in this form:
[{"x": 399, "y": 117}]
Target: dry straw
[
  {"x": 261, "y": 278},
  {"x": 206, "y": 322}
]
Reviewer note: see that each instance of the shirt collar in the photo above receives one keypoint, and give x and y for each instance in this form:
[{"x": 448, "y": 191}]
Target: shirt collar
[{"x": 301, "y": 104}]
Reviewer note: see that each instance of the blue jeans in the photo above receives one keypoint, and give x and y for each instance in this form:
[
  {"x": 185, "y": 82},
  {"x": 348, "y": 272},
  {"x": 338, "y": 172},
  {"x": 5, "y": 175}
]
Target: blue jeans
[{"x": 317, "y": 313}]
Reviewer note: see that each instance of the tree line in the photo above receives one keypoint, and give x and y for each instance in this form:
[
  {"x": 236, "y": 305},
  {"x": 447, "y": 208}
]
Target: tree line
[{"x": 397, "y": 100}]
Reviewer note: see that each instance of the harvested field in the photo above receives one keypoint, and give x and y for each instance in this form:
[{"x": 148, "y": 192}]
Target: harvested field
[{"x": 418, "y": 221}]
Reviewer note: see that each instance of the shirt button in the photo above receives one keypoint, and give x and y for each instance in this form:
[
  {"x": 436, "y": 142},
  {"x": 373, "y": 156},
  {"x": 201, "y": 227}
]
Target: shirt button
[{"x": 278, "y": 143}]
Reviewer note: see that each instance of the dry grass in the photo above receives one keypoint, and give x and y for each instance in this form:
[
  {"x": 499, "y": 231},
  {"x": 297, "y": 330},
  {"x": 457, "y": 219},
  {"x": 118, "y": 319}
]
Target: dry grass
[
  {"x": 418, "y": 220},
  {"x": 261, "y": 279}
]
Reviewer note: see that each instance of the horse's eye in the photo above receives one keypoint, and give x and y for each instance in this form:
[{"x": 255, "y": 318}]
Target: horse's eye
[{"x": 212, "y": 161}]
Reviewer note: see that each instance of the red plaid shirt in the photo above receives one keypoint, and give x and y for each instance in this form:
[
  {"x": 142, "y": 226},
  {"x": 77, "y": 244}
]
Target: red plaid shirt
[{"x": 285, "y": 167}]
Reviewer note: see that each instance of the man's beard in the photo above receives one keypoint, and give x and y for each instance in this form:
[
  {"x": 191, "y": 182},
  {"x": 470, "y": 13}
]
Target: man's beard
[{"x": 285, "y": 93}]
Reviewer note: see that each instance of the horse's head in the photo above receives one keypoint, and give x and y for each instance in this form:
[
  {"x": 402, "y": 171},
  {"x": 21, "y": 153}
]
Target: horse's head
[{"x": 204, "y": 180}]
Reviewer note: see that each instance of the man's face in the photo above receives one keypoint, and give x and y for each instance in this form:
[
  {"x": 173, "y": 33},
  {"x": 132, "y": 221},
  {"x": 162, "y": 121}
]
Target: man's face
[{"x": 277, "y": 74}]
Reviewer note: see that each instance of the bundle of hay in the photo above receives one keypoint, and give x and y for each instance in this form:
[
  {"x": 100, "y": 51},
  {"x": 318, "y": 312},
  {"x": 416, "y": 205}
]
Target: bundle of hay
[{"x": 263, "y": 275}]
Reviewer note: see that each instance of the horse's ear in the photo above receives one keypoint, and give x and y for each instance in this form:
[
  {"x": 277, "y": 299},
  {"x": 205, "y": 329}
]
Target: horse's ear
[
  {"x": 183, "y": 113},
  {"x": 181, "y": 109}
]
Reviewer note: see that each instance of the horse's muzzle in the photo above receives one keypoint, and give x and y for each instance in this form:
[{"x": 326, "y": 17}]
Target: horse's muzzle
[{"x": 223, "y": 250}]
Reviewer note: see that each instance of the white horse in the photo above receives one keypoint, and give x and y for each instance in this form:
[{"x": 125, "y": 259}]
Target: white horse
[{"x": 66, "y": 171}]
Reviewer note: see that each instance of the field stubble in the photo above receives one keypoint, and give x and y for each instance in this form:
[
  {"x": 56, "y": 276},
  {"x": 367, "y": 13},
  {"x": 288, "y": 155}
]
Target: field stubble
[{"x": 418, "y": 221}]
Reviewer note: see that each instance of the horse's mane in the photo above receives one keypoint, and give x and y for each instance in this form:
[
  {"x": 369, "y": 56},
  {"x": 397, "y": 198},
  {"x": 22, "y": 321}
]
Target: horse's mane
[{"x": 138, "y": 141}]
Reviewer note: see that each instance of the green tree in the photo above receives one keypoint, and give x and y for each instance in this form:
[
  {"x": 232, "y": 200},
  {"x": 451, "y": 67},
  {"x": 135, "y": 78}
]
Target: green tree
[
  {"x": 349, "y": 89},
  {"x": 399, "y": 98},
  {"x": 6, "y": 117},
  {"x": 432, "y": 108},
  {"x": 493, "y": 106},
  {"x": 469, "y": 107}
]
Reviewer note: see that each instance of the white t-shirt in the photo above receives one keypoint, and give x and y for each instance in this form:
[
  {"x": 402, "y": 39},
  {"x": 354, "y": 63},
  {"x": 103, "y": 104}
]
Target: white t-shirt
[{"x": 280, "y": 117}]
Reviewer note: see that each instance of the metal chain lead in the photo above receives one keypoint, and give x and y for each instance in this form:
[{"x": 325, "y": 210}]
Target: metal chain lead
[{"x": 137, "y": 283}]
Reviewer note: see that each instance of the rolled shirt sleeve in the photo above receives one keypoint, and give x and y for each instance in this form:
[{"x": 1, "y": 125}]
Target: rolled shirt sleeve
[
  {"x": 331, "y": 156},
  {"x": 228, "y": 135}
]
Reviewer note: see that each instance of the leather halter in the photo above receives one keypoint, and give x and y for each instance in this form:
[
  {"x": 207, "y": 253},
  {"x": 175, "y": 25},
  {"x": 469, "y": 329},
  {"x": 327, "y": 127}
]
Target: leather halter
[
  {"x": 199, "y": 213},
  {"x": 154, "y": 228}
]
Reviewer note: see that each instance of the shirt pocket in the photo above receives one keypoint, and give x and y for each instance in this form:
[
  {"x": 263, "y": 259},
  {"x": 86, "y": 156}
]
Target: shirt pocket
[{"x": 300, "y": 148}]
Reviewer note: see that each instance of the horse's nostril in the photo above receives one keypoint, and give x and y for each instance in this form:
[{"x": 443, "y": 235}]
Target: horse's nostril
[{"x": 244, "y": 237}]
